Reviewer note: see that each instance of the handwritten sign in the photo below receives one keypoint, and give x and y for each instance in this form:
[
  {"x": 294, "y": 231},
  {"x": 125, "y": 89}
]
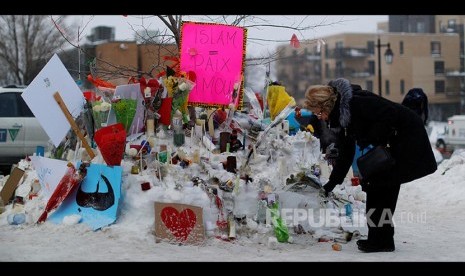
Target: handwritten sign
[
  {"x": 50, "y": 172},
  {"x": 216, "y": 53},
  {"x": 54, "y": 77}
]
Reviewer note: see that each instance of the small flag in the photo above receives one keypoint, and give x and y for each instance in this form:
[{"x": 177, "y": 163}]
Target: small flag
[{"x": 295, "y": 41}]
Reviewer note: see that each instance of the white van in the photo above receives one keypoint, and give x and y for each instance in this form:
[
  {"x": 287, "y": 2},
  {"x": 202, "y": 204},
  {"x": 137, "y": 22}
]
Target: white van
[
  {"x": 455, "y": 134},
  {"x": 20, "y": 131}
]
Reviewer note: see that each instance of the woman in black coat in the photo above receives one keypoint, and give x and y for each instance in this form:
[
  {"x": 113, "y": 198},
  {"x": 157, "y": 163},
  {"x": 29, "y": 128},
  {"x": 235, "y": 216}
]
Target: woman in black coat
[{"x": 363, "y": 118}]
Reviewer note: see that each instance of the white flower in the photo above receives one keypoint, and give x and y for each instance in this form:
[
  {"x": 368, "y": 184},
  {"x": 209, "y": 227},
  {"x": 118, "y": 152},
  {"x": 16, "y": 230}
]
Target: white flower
[
  {"x": 105, "y": 106},
  {"x": 97, "y": 108},
  {"x": 183, "y": 86}
]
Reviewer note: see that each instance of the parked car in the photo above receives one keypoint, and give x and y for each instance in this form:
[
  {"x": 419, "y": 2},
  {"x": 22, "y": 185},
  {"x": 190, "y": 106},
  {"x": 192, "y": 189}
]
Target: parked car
[
  {"x": 436, "y": 133},
  {"x": 20, "y": 131}
]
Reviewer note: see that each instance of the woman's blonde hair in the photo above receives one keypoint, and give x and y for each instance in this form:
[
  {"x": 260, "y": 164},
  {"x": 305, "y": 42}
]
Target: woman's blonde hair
[{"x": 320, "y": 96}]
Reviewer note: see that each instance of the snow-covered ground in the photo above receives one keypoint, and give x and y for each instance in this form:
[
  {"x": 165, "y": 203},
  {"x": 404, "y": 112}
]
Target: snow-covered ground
[{"x": 429, "y": 221}]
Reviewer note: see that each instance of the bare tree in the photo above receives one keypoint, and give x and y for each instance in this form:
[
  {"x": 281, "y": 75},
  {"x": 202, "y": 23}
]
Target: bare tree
[
  {"x": 254, "y": 64},
  {"x": 174, "y": 22},
  {"x": 27, "y": 43},
  {"x": 171, "y": 35}
]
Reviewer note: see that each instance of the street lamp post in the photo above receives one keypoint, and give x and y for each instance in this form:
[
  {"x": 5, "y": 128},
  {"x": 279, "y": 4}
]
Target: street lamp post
[{"x": 388, "y": 55}]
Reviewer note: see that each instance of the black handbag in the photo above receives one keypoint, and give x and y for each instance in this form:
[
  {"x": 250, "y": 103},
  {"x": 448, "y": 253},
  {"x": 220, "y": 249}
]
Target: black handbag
[{"x": 374, "y": 162}]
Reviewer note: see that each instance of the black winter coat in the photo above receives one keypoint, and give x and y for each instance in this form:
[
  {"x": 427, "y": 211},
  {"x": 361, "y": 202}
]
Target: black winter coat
[{"x": 364, "y": 118}]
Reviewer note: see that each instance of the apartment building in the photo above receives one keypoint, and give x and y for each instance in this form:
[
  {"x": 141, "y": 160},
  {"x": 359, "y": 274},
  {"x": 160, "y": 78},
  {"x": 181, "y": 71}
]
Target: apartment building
[
  {"x": 118, "y": 61},
  {"x": 427, "y": 53}
]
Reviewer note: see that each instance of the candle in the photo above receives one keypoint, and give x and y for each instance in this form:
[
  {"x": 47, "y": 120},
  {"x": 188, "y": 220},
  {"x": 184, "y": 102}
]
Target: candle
[
  {"x": 134, "y": 169},
  {"x": 159, "y": 167},
  {"x": 150, "y": 127},
  {"x": 305, "y": 149},
  {"x": 211, "y": 128},
  {"x": 192, "y": 136},
  {"x": 198, "y": 131}
]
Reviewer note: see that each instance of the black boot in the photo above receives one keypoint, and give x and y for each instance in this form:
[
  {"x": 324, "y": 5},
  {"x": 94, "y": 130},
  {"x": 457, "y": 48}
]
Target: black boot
[
  {"x": 369, "y": 247},
  {"x": 362, "y": 242}
]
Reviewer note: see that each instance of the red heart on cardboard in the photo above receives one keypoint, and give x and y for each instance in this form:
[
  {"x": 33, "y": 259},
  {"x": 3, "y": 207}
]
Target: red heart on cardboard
[{"x": 180, "y": 224}]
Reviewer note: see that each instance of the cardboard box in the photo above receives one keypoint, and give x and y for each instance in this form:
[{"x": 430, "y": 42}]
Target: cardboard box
[{"x": 11, "y": 184}]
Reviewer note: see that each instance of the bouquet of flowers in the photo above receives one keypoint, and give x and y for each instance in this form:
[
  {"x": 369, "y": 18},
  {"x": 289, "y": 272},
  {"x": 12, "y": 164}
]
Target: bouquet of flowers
[
  {"x": 151, "y": 92},
  {"x": 88, "y": 118},
  {"x": 125, "y": 110},
  {"x": 100, "y": 111},
  {"x": 179, "y": 88}
]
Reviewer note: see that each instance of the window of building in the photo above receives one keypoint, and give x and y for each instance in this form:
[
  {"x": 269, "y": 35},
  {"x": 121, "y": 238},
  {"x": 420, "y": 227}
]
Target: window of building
[
  {"x": 402, "y": 87},
  {"x": 439, "y": 67},
  {"x": 326, "y": 50},
  {"x": 306, "y": 71},
  {"x": 439, "y": 86},
  {"x": 327, "y": 72},
  {"x": 371, "y": 67},
  {"x": 339, "y": 70},
  {"x": 369, "y": 85},
  {"x": 317, "y": 68},
  {"x": 339, "y": 44},
  {"x": 435, "y": 48},
  {"x": 387, "y": 85},
  {"x": 316, "y": 49},
  {"x": 401, "y": 47},
  {"x": 451, "y": 24},
  {"x": 371, "y": 47},
  {"x": 421, "y": 27}
]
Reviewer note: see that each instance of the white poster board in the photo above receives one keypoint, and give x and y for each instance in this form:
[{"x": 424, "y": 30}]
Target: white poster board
[
  {"x": 50, "y": 172},
  {"x": 39, "y": 97}
]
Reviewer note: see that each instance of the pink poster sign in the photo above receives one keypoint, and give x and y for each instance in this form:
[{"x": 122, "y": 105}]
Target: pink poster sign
[{"x": 216, "y": 54}]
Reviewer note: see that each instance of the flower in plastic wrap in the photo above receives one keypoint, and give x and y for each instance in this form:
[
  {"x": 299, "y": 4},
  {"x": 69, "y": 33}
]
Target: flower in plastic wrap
[
  {"x": 125, "y": 110},
  {"x": 180, "y": 97},
  {"x": 100, "y": 111}
]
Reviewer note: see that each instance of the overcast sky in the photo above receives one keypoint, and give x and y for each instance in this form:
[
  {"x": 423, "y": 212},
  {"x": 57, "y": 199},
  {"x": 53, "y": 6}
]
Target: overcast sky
[{"x": 325, "y": 25}]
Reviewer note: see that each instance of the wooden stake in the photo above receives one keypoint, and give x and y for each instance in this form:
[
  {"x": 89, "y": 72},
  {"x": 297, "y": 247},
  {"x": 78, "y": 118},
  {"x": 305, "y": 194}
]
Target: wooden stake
[
  {"x": 73, "y": 124},
  {"x": 211, "y": 129}
]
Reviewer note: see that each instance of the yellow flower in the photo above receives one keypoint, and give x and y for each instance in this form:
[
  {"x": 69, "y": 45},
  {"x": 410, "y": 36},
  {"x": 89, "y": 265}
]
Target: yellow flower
[
  {"x": 170, "y": 84},
  {"x": 310, "y": 128}
]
